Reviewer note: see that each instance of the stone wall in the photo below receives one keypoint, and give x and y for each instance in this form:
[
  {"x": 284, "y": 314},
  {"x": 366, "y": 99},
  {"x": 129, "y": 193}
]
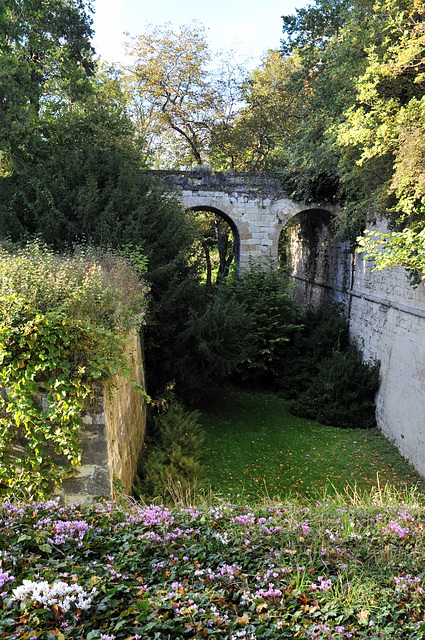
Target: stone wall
[
  {"x": 254, "y": 205},
  {"x": 387, "y": 320},
  {"x": 112, "y": 439},
  {"x": 319, "y": 263}
]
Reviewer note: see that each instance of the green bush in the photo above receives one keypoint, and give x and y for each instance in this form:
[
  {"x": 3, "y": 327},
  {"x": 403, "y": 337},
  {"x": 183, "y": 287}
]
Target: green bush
[
  {"x": 342, "y": 393},
  {"x": 264, "y": 292},
  {"x": 215, "y": 344},
  {"x": 326, "y": 379},
  {"x": 172, "y": 456},
  {"x": 323, "y": 332},
  {"x": 64, "y": 324}
]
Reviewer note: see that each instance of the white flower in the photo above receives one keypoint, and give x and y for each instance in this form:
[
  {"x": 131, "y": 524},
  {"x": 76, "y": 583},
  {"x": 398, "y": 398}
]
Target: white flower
[{"x": 61, "y": 594}]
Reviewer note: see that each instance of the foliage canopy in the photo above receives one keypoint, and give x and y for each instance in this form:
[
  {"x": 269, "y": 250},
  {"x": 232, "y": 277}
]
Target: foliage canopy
[
  {"x": 45, "y": 54},
  {"x": 360, "y": 90}
]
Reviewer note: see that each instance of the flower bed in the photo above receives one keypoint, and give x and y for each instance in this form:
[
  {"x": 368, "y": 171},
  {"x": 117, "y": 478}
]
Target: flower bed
[{"x": 108, "y": 571}]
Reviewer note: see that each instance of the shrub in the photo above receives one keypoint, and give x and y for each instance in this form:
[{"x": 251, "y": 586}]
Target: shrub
[
  {"x": 323, "y": 332},
  {"x": 263, "y": 291},
  {"x": 64, "y": 322},
  {"x": 342, "y": 393},
  {"x": 173, "y": 455},
  {"x": 215, "y": 344},
  {"x": 326, "y": 379}
]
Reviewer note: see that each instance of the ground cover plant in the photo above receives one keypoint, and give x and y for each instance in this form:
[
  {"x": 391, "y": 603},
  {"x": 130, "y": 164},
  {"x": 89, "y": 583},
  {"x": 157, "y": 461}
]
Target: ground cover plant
[
  {"x": 347, "y": 568},
  {"x": 255, "y": 447}
]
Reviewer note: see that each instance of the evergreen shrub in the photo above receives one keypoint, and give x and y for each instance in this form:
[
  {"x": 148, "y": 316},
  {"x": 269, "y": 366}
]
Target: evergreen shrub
[
  {"x": 321, "y": 333},
  {"x": 173, "y": 453},
  {"x": 342, "y": 393},
  {"x": 264, "y": 292},
  {"x": 325, "y": 378}
]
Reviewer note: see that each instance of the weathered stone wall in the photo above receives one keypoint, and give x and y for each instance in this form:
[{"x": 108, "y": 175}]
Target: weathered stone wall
[
  {"x": 319, "y": 263},
  {"x": 113, "y": 435},
  {"x": 387, "y": 320}
]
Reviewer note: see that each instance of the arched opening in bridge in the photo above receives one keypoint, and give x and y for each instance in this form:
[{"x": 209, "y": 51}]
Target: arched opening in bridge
[{"x": 219, "y": 241}]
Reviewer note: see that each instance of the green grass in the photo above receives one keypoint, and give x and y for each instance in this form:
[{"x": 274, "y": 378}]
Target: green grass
[{"x": 256, "y": 448}]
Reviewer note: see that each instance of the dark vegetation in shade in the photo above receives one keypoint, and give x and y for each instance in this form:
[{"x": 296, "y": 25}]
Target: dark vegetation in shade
[
  {"x": 326, "y": 378},
  {"x": 173, "y": 450}
]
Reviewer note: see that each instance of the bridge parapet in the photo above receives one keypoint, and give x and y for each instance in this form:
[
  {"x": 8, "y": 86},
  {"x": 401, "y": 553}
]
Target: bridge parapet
[{"x": 260, "y": 185}]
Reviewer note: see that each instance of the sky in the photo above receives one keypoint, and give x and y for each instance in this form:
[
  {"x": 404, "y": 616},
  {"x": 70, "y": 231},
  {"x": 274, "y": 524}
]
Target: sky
[{"x": 249, "y": 26}]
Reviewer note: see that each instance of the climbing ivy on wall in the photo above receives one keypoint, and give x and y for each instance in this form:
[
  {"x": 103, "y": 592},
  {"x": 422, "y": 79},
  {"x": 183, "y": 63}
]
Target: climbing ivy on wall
[{"x": 64, "y": 325}]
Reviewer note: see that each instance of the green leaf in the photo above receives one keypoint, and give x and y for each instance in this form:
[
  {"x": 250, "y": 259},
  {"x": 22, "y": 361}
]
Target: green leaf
[{"x": 24, "y": 537}]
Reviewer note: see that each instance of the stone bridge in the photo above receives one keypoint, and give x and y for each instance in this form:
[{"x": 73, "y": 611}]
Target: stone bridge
[{"x": 254, "y": 205}]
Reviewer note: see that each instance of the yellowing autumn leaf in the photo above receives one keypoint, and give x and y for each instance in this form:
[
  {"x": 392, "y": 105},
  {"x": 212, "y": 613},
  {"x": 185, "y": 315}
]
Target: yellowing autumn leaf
[{"x": 243, "y": 619}]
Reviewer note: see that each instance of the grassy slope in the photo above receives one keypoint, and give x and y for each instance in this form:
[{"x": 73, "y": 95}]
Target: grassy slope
[{"x": 256, "y": 448}]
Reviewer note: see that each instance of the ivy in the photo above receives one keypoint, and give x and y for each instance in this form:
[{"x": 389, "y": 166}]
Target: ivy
[{"x": 58, "y": 338}]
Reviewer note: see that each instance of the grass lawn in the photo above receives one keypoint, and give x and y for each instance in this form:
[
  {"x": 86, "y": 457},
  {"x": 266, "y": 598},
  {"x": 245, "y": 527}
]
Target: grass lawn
[{"x": 256, "y": 448}]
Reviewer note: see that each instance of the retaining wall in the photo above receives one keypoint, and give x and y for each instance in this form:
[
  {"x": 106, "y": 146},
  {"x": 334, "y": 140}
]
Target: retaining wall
[
  {"x": 114, "y": 428},
  {"x": 387, "y": 320}
]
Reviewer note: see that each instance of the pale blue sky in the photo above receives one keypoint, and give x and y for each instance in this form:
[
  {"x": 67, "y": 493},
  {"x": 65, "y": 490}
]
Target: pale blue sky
[{"x": 250, "y": 26}]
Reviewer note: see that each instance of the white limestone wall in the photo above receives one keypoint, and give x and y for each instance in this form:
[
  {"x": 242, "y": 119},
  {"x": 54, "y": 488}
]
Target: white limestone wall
[
  {"x": 387, "y": 319},
  {"x": 320, "y": 265},
  {"x": 258, "y": 221}
]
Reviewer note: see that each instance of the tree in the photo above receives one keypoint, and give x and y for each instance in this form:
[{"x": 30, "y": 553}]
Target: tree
[
  {"x": 385, "y": 128},
  {"x": 180, "y": 97},
  {"x": 101, "y": 196},
  {"x": 44, "y": 48},
  {"x": 361, "y": 109},
  {"x": 215, "y": 236},
  {"x": 257, "y": 138},
  {"x": 99, "y": 119},
  {"x": 329, "y": 40}
]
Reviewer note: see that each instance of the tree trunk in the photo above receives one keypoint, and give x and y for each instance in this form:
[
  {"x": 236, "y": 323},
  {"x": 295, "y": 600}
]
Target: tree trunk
[{"x": 208, "y": 283}]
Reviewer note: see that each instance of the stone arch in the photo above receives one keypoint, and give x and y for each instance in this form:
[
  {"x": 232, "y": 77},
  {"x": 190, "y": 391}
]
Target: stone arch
[
  {"x": 227, "y": 218},
  {"x": 254, "y": 204}
]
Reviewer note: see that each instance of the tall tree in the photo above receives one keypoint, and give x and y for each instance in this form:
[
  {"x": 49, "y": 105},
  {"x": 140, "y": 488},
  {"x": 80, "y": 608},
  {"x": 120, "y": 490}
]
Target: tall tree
[
  {"x": 387, "y": 125},
  {"x": 329, "y": 41},
  {"x": 181, "y": 96},
  {"x": 361, "y": 139},
  {"x": 257, "y": 138},
  {"x": 44, "y": 47},
  {"x": 100, "y": 119}
]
